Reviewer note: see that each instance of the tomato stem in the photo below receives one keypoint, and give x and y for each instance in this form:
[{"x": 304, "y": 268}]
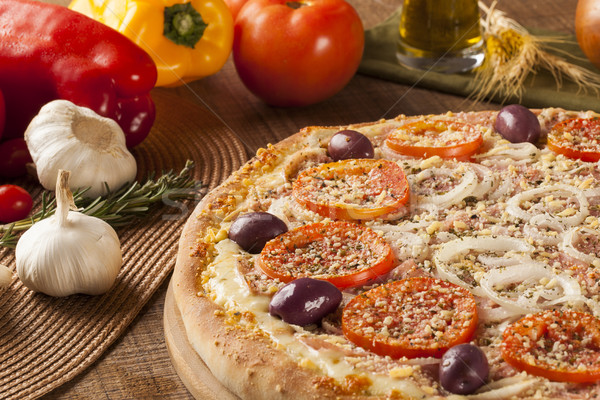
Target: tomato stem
[{"x": 295, "y": 4}]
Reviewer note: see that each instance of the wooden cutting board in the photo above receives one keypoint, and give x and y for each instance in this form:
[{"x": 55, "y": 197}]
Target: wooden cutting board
[{"x": 193, "y": 372}]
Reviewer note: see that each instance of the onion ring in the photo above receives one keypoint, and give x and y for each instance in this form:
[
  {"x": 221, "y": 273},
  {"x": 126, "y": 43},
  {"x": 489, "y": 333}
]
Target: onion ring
[
  {"x": 528, "y": 301},
  {"x": 487, "y": 180},
  {"x": 571, "y": 237},
  {"x": 515, "y": 151},
  {"x": 514, "y": 204},
  {"x": 458, "y": 247},
  {"x": 594, "y": 192},
  {"x": 504, "y": 388},
  {"x": 532, "y": 230},
  {"x": 486, "y": 314},
  {"x": 464, "y": 189}
]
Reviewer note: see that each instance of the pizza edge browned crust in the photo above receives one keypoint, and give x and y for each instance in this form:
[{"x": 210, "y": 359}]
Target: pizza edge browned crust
[{"x": 244, "y": 362}]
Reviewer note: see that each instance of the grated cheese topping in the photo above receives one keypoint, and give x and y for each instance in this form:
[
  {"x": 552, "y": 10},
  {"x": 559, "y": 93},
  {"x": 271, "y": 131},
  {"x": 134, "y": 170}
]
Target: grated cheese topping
[{"x": 528, "y": 194}]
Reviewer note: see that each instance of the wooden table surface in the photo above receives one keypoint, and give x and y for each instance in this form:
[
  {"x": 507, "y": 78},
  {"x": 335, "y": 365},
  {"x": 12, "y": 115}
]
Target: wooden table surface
[{"x": 137, "y": 366}]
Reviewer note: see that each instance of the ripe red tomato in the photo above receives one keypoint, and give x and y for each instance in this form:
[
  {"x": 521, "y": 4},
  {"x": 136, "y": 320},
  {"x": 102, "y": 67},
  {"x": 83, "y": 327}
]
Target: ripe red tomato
[
  {"x": 343, "y": 253},
  {"x": 15, "y": 203},
  {"x": 235, "y": 6},
  {"x": 366, "y": 179},
  {"x": 576, "y": 138},
  {"x": 559, "y": 345},
  {"x": 296, "y": 53},
  {"x": 440, "y": 136},
  {"x": 402, "y": 318},
  {"x": 14, "y": 157}
]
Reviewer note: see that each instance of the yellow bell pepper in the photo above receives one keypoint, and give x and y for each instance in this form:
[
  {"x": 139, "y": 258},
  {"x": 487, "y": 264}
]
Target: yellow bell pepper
[{"x": 187, "y": 39}]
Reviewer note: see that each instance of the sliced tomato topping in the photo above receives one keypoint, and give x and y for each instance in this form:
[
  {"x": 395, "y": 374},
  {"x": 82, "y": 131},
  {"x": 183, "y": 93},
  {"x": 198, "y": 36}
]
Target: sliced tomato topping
[
  {"x": 353, "y": 189},
  {"x": 436, "y": 137},
  {"x": 559, "y": 345},
  {"x": 577, "y": 138},
  {"x": 414, "y": 317},
  {"x": 340, "y": 252}
]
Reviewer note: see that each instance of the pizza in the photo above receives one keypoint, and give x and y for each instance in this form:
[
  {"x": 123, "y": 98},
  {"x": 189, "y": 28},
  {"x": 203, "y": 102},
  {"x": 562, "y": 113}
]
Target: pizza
[{"x": 419, "y": 257}]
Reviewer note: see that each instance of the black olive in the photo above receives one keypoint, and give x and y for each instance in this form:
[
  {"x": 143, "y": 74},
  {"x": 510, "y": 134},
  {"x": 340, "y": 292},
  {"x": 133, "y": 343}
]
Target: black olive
[
  {"x": 348, "y": 144},
  {"x": 305, "y": 301},
  {"x": 518, "y": 124},
  {"x": 253, "y": 230},
  {"x": 463, "y": 369}
]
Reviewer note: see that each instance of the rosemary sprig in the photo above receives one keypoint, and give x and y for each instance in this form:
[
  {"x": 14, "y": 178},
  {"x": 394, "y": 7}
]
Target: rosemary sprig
[{"x": 120, "y": 207}]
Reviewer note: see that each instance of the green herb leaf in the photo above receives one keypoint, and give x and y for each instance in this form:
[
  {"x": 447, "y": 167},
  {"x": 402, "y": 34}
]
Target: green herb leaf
[{"x": 120, "y": 207}]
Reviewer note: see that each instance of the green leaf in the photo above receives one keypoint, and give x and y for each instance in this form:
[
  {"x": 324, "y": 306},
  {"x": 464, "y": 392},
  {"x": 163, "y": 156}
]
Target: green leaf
[{"x": 120, "y": 207}]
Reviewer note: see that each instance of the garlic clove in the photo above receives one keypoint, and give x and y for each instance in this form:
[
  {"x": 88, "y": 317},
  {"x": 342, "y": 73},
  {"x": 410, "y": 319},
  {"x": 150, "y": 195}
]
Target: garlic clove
[
  {"x": 69, "y": 252},
  {"x": 66, "y": 136},
  {"x": 5, "y": 276},
  {"x": 84, "y": 256}
]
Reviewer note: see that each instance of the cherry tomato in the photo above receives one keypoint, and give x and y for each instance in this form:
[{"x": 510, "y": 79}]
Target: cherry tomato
[
  {"x": 340, "y": 252},
  {"x": 414, "y": 317},
  {"x": 359, "y": 189},
  {"x": 296, "y": 53},
  {"x": 576, "y": 138},
  {"x": 14, "y": 157},
  {"x": 15, "y": 203},
  {"x": 436, "y": 137},
  {"x": 559, "y": 345},
  {"x": 235, "y": 6}
]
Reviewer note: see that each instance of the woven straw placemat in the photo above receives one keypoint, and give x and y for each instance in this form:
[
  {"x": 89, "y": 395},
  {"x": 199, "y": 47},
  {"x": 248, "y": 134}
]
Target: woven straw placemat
[{"x": 45, "y": 341}]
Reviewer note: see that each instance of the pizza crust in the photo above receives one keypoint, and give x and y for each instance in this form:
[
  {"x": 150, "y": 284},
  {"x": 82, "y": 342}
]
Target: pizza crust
[{"x": 247, "y": 362}]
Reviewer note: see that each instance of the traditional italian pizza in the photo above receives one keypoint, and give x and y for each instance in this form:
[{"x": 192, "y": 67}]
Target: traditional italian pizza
[{"x": 420, "y": 257}]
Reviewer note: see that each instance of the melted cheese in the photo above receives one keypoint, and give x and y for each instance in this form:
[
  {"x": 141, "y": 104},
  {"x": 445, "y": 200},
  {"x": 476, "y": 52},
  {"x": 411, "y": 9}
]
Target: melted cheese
[
  {"x": 491, "y": 207},
  {"x": 229, "y": 290}
]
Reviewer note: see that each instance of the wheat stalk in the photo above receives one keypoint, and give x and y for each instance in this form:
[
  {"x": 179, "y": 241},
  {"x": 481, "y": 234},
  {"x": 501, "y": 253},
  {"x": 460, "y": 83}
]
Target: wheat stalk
[{"x": 512, "y": 54}]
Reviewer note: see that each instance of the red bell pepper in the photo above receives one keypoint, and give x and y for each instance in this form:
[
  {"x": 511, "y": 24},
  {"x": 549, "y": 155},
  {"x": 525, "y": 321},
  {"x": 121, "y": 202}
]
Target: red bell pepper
[{"x": 49, "y": 52}]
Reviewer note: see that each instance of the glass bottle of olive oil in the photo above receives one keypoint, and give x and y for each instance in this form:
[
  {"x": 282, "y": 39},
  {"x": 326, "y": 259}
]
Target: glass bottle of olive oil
[{"x": 440, "y": 35}]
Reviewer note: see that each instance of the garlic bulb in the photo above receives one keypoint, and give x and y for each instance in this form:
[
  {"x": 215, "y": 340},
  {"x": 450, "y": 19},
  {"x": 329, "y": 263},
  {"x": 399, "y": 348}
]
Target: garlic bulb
[
  {"x": 5, "y": 276},
  {"x": 69, "y": 137},
  {"x": 69, "y": 252}
]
